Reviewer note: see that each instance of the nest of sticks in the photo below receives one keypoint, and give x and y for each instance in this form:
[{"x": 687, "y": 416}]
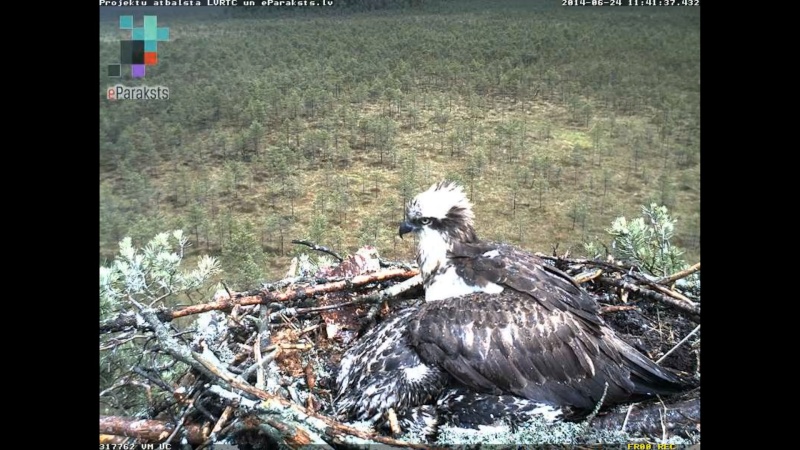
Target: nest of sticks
[{"x": 258, "y": 367}]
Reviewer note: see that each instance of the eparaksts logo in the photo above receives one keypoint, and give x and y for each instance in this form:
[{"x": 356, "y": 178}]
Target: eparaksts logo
[{"x": 120, "y": 92}]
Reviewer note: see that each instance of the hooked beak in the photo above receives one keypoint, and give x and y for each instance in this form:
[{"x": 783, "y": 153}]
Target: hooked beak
[{"x": 406, "y": 227}]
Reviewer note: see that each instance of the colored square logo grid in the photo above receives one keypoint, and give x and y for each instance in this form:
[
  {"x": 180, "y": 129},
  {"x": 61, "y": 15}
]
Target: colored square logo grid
[{"x": 142, "y": 49}]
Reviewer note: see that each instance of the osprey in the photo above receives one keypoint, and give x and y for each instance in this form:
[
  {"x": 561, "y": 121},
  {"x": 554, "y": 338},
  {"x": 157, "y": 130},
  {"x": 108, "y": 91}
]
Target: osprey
[{"x": 501, "y": 335}]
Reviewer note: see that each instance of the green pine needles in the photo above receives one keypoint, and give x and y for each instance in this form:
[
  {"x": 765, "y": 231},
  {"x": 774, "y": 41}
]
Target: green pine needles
[
  {"x": 152, "y": 274},
  {"x": 645, "y": 241}
]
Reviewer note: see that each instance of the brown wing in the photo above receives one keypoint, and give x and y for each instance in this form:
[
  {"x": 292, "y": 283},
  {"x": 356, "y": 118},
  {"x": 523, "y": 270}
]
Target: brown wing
[
  {"x": 500, "y": 344},
  {"x": 525, "y": 273},
  {"x": 541, "y": 338}
]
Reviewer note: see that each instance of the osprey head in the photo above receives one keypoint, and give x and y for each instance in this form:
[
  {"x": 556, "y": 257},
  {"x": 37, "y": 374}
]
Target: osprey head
[{"x": 443, "y": 209}]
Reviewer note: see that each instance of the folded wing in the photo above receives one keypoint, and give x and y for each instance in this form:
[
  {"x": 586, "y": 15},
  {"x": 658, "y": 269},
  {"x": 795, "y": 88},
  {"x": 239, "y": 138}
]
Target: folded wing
[{"x": 541, "y": 338}]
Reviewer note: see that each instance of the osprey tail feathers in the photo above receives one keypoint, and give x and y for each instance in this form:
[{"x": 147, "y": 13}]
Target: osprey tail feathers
[{"x": 648, "y": 378}]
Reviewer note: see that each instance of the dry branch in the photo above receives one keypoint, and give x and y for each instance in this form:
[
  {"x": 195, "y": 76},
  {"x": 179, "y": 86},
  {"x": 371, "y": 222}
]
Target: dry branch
[
  {"x": 646, "y": 419},
  {"x": 588, "y": 277},
  {"x": 275, "y": 404},
  {"x": 664, "y": 294},
  {"x": 678, "y": 275},
  {"x": 148, "y": 430},
  {"x": 318, "y": 248},
  {"x": 297, "y": 423},
  {"x": 170, "y": 344},
  {"x": 125, "y": 321},
  {"x": 617, "y": 308},
  {"x": 673, "y": 294},
  {"x": 609, "y": 267},
  {"x": 683, "y": 341},
  {"x": 693, "y": 312},
  {"x": 295, "y": 436}
]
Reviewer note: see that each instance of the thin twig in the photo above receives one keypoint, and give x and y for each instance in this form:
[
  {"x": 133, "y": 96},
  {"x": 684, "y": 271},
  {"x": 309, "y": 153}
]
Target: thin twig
[
  {"x": 678, "y": 275},
  {"x": 627, "y": 415},
  {"x": 264, "y": 361},
  {"x": 662, "y": 416},
  {"x": 394, "y": 426},
  {"x": 617, "y": 308},
  {"x": 643, "y": 418},
  {"x": 171, "y": 345},
  {"x": 696, "y": 329},
  {"x": 199, "y": 406},
  {"x": 318, "y": 248},
  {"x": 392, "y": 291},
  {"x": 588, "y": 277},
  {"x": 153, "y": 379},
  {"x": 120, "y": 341},
  {"x": 223, "y": 418},
  {"x": 674, "y": 294},
  {"x": 179, "y": 424},
  {"x": 311, "y": 328},
  {"x": 226, "y": 289},
  {"x": 213, "y": 437},
  {"x": 597, "y": 407},
  {"x": 588, "y": 262},
  {"x": 263, "y": 333},
  {"x": 693, "y": 312}
]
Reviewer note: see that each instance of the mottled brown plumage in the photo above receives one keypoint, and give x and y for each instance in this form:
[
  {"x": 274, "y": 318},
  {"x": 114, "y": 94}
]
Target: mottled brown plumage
[
  {"x": 503, "y": 321},
  {"x": 511, "y": 343},
  {"x": 501, "y": 330}
]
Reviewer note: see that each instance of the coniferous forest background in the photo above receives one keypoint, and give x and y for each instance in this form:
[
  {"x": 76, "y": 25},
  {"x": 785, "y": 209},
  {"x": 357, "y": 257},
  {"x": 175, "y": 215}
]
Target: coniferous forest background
[{"x": 319, "y": 123}]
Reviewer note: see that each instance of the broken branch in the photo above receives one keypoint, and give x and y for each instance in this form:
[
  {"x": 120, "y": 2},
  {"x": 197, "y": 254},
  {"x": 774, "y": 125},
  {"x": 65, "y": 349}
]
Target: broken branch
[
  {"x": 147, "y": 430},
  {"x": 678, "y": 275},
  {"x": 318, "y": 248},
  {"x": 124, "y": 321},
  {"x": 273, "y": 403},
  {"x": 692, "y": 311}
]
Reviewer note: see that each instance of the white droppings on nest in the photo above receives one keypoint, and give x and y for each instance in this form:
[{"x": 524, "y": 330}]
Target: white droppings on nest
[{"x": 331, "y": 329}]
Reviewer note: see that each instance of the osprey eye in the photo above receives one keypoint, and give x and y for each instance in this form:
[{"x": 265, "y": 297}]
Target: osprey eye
[{"x": 425, "y": 220}]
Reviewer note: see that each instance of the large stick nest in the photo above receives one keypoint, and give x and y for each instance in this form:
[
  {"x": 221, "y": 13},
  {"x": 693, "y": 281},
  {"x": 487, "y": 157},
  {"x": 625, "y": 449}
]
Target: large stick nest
[{"x": 259, "y": 366}]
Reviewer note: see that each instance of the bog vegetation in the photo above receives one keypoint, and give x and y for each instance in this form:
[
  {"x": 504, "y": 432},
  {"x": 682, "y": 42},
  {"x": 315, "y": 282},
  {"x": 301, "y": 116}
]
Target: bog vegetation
[{"x": 318, "y": 124}]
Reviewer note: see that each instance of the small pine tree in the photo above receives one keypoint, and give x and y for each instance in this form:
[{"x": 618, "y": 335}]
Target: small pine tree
[
  {"x": 645, "y": 241},
  {"x": 148, "y": 277},
  {"x": 243, "y": 256},
  {"x": 151, "y": 274}
]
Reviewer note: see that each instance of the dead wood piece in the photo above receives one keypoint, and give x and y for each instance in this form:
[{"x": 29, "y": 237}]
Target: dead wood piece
[
  {"x": 617, "y": 308},
  {"x": 302, "y": 346},
  {"x": 632, "y": 271},
  {"x": 125, "y": 321},
  {"x": 693, "y": 312},
  {"x": 147, "y": 430},
  {"x": 168, "y": 342},
  {"x": 588, "y": 277},
  {"x": 678, "y": 275},
  {"x": 113, "y": 439},
  {"x": 226, "y": 415},
  {"x": 608, "y": 267},
  {"x": 316, "y": 422},
  {"x": 647, "y": 419},
  {"x": 674, "y": 294},
  {"x": 295, "y": 436},
  {"x": 318, "y": 248}
]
